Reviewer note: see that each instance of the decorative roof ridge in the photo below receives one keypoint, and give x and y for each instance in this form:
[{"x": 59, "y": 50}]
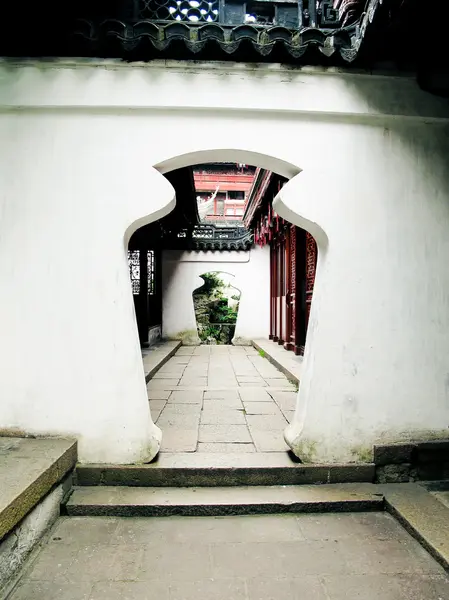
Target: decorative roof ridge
[{"x": 161, "y": 35}]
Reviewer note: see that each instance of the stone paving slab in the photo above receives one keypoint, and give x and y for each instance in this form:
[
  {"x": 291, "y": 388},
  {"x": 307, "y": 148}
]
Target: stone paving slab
[
  {"x": 266, "y": 422},
  {"x": 169, "y": 374},
  {"x": 156, "y": 407},
  {"x": 157, "y": 394},
  {"x": 255, "y": 394},
  {"x": 219, "y": 405},
  {"x": 224, "y": 433},
  {"x": 163, "y": 384},
  {"x": 227, "y": 447},
  {"x": 261, "y": 408},
  {"x": 254, "y": 557},
  {"x": 29, "y": 468},
  {"x": 284, "y": 360},
  {"x": 185, "y": 351},
  {"x": 220, "y": 388},
  {"x": 186, "y": 397},
  {"x": 182, "y": 409},
  {"x": 195, "y": 381},
  {"x": 179, "y": 421},
  {"x": 180, "y": 439},
  {"x": 285, "y": 400},
  {"x": 222, "y": 417},
  {"x": 180, "y": 461},
  {"x": 277, "y": 382},
  {"x": 251, "y": 379},
  {"x": 269, "y": 441},
  {"x": 289, "y": 415},
  {"x": 220, "y": 394}
]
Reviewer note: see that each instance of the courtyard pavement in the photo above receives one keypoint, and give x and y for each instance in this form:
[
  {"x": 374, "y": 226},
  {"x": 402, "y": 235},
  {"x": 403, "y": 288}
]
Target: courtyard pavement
[
  {"x": 221, "y": 399},
  {"x": 363, "y": 556}
]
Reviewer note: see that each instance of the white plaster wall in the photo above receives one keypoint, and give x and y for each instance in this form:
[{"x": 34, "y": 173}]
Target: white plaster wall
[
  {"x": 181, "y": 273},
  {"x": 77, "y": 147}
]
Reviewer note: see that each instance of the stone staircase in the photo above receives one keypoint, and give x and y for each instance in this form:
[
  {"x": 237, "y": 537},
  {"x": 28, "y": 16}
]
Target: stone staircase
[
  {"x": 214, "y": 484},
  {"x": 272, "y": 483}
]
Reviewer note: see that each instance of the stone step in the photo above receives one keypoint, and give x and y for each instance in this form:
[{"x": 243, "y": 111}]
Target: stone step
[
  {"x": 209, "y": 470},
  {"x": 163, "y": 501},
  {"x": 425, "y": 515}
]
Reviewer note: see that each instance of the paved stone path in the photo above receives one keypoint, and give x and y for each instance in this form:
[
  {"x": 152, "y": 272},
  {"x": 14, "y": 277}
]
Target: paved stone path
[
  {"x": 221, "y": 399},
  {"x": 363, "y": 556}
]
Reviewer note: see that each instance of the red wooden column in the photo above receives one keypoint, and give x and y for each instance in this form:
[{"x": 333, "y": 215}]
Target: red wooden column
[
  {"x": 287, "y": 290},
  {"x": 280, "y": 295},
  {"x": 272, "y": 292}
]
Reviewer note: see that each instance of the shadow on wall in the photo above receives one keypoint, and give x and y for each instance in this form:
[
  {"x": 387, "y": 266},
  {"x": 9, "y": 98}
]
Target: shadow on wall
[{"x": 216, "y": 305}]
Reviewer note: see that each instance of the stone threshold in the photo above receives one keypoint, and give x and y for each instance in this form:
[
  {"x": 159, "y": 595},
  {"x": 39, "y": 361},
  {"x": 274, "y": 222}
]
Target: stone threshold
[
  {"x": 128, "y": 501},
  {"x": 154, "y": 357},
  {"x": 29, "y": 469},
  {"x": 222, "y": 470},
  {"x": 288, "y": 363}
]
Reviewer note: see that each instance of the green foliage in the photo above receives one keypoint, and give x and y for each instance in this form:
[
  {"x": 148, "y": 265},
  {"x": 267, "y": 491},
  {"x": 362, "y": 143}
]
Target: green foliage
[
  {"x": 216, "y": 319},
  {"x": 212, "y": 283},
  {"x": 262, "y": 353},
  {"x": 210, "y": 331},
  {"x": 222, "y": 313}
]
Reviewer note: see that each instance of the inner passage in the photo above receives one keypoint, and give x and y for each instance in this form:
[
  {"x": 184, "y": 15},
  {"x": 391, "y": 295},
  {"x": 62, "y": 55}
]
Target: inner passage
[
  {"x": 221, "y": 398},
  {"x": 216, "y": 305}
]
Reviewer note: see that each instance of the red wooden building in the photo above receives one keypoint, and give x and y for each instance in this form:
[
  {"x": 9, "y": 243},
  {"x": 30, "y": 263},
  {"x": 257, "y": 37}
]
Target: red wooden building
[
  {"x": 229, "y": 184},
  {"x": 293, "y": 257}
]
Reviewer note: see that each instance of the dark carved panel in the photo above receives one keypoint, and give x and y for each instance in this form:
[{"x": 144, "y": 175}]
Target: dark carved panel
[
  {"x": 209, "y": 237},
  {"x": 192, "y": 11},
  {"x": 151, "y": 273},
  {"x": 293, "y": 258},
  {"x": 328, "y": 16},
  {"x": 136, "y": 263},
  {"x": 311, "y": 259},
  {"x": 287, "y": 15},
  {"x": 134, "y": 270},
  {"x": 234, "y": 13},
  {"x": 293, "y": 276}
]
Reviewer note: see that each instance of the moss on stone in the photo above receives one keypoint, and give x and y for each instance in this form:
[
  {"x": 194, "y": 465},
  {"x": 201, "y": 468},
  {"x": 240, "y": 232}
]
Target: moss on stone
[
  {"x": 306, "y": 450},
  {"x": 363, "y": 454}
]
